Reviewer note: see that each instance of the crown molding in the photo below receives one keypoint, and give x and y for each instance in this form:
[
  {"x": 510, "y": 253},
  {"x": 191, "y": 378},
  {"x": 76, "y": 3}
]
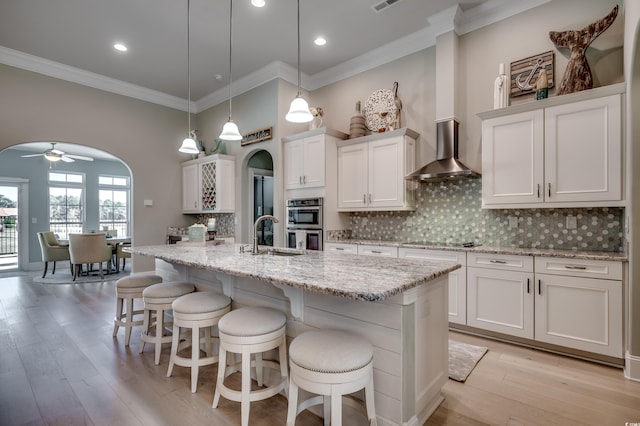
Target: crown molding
[
  {"x": 43, "y": 66},
  {"x": 451, "y": 19}
]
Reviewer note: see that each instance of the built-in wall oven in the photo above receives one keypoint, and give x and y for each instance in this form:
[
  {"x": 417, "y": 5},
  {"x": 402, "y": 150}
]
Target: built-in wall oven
[{"x": 304, "y": 223}]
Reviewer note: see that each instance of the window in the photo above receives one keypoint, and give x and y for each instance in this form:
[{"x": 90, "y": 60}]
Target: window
[
  {"x": 66, "y": 203},
  {"x": 114, "y": 203}
]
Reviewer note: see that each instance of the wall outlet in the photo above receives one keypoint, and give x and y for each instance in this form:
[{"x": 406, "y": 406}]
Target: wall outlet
[
  {"x": 513, "y": 222},
  {"x": 572, "y": 222}
]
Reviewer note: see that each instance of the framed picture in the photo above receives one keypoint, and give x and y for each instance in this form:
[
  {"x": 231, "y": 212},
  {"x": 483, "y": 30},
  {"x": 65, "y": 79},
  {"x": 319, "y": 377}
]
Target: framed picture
[{"x": 524, "y": 73}]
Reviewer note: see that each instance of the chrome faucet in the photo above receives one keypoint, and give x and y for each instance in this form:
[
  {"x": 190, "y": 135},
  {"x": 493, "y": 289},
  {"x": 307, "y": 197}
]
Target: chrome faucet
[{"x": 255, "y": 230}]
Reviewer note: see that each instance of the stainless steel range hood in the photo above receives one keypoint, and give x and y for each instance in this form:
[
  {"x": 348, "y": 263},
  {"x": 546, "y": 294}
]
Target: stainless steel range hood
[{"x": 446, "y": 166}]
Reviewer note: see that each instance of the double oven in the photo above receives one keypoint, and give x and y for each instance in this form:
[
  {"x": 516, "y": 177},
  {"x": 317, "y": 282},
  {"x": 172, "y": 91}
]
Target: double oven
[{"x": 304, "y": 223}]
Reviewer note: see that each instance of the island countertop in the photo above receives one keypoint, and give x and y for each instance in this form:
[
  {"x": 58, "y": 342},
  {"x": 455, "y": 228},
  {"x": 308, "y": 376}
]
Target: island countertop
[{"x": 354, "y": 277}]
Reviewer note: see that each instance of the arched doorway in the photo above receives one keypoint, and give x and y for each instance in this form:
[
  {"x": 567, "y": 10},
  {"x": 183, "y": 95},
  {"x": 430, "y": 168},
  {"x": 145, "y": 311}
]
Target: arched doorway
[
  {"x": 101, "y": 176},
  {"x": 260, "y": 168}
]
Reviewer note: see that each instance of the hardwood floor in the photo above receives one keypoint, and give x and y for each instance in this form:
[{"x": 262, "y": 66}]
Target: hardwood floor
[{"x": 60, "y": 365}]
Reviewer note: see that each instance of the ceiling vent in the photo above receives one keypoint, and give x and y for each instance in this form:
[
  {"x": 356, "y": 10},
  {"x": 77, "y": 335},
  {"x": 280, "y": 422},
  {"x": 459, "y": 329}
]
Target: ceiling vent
[{"x": 379, "y": 7}]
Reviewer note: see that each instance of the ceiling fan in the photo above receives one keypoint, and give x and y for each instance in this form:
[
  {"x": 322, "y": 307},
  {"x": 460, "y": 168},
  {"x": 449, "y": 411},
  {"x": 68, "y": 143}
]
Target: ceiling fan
[{"x": 55, "y": 155}]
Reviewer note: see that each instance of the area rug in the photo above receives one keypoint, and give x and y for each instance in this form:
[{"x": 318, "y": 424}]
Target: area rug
[
  {"x": 63, "y": 276},
  {"x": 463, "y": 357}
]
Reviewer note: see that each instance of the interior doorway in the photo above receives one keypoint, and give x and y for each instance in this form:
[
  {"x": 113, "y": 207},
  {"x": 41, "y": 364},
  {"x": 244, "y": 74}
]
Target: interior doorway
[{"x": 260, "y": 168}]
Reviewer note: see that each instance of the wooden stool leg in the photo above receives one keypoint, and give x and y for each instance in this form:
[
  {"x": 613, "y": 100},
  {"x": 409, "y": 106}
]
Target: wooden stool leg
[
  {"x": 175, "y": 341},
  {"x": 129, "y": 325},
  {"x": 292, "y": 410},
  {"x": 222, "y": 368},
  {"x": 369, "y": 400},
  {"x": 118, "y": 316},
  {"x": 159, "y": 334},
  {"x": 145, "y": 328},
  {"x": 282, "y": 359},
  {"x": 245, "y": 404},
  {"x": 326, "y": 407},
  {"x": 259, "y": 369},
  {"x": 195, "y": 357},
  {"x": 336, "y": 409}
]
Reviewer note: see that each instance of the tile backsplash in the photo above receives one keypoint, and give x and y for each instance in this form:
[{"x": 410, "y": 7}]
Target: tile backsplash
[
  {"x": 225, "y": 223},
  {"x": 450, "y": 211}
]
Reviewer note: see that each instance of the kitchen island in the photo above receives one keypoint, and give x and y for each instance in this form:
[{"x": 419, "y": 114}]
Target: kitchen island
[{"x": 399, "y": 305}]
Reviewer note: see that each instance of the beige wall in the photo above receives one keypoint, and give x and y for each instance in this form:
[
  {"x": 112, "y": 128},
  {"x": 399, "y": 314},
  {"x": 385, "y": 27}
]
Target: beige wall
[{"x": 145, "y": 136}]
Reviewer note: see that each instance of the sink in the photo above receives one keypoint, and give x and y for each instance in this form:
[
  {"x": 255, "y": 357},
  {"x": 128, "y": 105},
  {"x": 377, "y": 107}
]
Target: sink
[{"x": 282, "y": 253}]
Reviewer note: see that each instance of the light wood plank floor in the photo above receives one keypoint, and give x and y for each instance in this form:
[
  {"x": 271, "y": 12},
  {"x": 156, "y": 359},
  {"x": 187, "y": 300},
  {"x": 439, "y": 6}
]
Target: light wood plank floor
[{"x": 60, "y": 365}]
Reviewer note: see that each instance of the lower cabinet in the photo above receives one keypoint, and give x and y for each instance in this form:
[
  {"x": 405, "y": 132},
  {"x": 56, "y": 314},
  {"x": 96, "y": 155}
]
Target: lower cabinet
[
  {"x": 578, "y": 304},
  {"x": 500, "y": 293},
  {"x": 572, "y": 303},
  {"x": 457, "y": 278}
]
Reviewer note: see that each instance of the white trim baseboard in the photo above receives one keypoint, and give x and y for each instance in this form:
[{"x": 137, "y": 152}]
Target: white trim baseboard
[{"x": 632, "y": 367}]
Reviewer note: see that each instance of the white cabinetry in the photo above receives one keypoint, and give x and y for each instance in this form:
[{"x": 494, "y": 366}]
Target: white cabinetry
[
  {"x": 578, "y": 304},
  {"x": 341, "y": 248},
  {"x": 457, "y": 278},
  {"x": 561, "y": 152},
  {"x": 304, "y": 162},
  {"x": 208, "y": 185},
  {"x": 378, "y": 251},
  {"x": 500, "y": 293},
  {"x": 371, "y": 171}
]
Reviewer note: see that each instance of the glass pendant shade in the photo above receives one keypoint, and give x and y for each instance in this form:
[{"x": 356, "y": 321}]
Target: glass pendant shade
[
  {"x": 299, "y": 111},
  {"x": 189, "y": 146},
  {"x": 230, "y": 131}
]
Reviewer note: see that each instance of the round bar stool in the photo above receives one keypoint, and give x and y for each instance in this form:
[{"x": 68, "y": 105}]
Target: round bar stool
[
  {"x": 157, "y": 299},
  {"x": 251, "y": 331},
  {"x": 330, "y": 364},
  {"x": 199, "y": 311},
  {"x": 128, "y": 289}
]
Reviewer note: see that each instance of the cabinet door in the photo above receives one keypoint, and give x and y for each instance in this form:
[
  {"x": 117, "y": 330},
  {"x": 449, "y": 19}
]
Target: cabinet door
[
  {"x": 293, "y": 164},
  {"x": 352, "y": 176},
  {"x": 457, "y": 278},
  {"x": 190, "y": 189},
  {"x": 512, "y": 159},
  {"x": 386, "y": 173},
  {"x": 226, "y": 188},
  {"x": 500, "y": 301},
  {"x": 313, "y": 159},
  {"x": 580, "y": 313},
  {"x": 583, "y": 157}
]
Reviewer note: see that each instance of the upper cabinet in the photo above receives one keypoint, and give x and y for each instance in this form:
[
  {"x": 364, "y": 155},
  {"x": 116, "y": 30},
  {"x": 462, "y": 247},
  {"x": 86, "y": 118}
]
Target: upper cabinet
[
  {"x": 561, "y": 152},
  {"x": 371, "y": 172},
  {"x": 208, "y": 185},
  {"x": 307, "y": 156}
]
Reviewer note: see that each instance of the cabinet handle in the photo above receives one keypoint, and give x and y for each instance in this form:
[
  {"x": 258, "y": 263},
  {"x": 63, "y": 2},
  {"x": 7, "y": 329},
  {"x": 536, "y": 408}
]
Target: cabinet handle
[
  {"x": 497, "y": 261},
  {"x": 364, "y": 198},
  {"x": 528, "y": 285},
  {"x": 369, "y": 198},
  {"x": 538, "y": 190},
  {"x": 300, "y": 179},
  {"x": 549, "y": 189},
  {"x": 376, "y": 252},
  {"x": 304, "y": 179},
  {"x": 575, "y": 267},
  {"x": 539, "y": 286}
]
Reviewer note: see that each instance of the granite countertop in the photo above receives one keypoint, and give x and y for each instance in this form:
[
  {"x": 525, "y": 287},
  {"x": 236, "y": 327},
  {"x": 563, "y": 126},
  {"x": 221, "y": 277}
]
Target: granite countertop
[
  {"x": 354, "y": 277},
  {"x": 572, "y": 254}
]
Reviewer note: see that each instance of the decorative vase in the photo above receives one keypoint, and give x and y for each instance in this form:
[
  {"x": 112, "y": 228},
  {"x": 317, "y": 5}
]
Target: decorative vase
[
  {"x": 501, "y": 90},
  {"x": 357, "y": 123},
  {"x": 315, "y": 123}
]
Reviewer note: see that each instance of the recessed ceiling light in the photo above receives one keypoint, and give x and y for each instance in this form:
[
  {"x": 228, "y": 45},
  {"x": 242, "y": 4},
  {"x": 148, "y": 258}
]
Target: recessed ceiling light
[
  {"x": 320, "y": 41},
  {"x": 258, "y": 3},
  {"x": 120, "y": 47}
]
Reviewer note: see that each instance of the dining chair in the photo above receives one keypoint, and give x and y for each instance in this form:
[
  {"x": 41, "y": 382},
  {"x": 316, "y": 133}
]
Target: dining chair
[
  {"x": 52, "y": 250},
  {"x": 87, "y": 249}
]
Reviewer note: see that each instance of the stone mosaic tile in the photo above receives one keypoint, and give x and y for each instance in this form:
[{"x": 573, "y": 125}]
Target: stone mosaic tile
[
  {"x": 450, "y": 212},
  {"x": 225, "y": 223}
]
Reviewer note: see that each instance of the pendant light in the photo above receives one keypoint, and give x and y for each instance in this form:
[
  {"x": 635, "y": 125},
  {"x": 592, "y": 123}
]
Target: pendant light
[
  {"x": 299, "y": 109},
  {"x": 189, "y": 144},
  {"x": 230, "y": 130}
]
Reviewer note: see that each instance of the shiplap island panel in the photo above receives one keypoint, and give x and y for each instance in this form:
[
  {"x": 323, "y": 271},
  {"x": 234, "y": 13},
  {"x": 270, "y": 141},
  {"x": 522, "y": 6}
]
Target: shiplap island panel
[{"x": 399, "y": 305}]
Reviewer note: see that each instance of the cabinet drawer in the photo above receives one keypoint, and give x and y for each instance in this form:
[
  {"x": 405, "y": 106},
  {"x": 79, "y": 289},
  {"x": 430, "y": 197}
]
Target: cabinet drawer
[
  {"x": 500, "y": 261},
  {"x": 381, "y": 251},
  {"x": 435, "y": 255},
  {"x": 608, "y": 270},
  {"x": 341, "y": 248}
]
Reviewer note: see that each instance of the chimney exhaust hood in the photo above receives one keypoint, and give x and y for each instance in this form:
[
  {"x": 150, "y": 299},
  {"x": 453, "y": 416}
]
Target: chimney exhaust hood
[{"x": 446, "y": 166}]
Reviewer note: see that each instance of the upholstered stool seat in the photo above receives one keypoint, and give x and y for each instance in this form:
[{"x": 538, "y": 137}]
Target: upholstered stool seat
[
  {"x": 157, "y": 299},
  {"x": 199, "y": 311},
  {"x": 330, "y": 364},
  {"x": 251, "y": 331},
  {"x": 127, "y": 290}
]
